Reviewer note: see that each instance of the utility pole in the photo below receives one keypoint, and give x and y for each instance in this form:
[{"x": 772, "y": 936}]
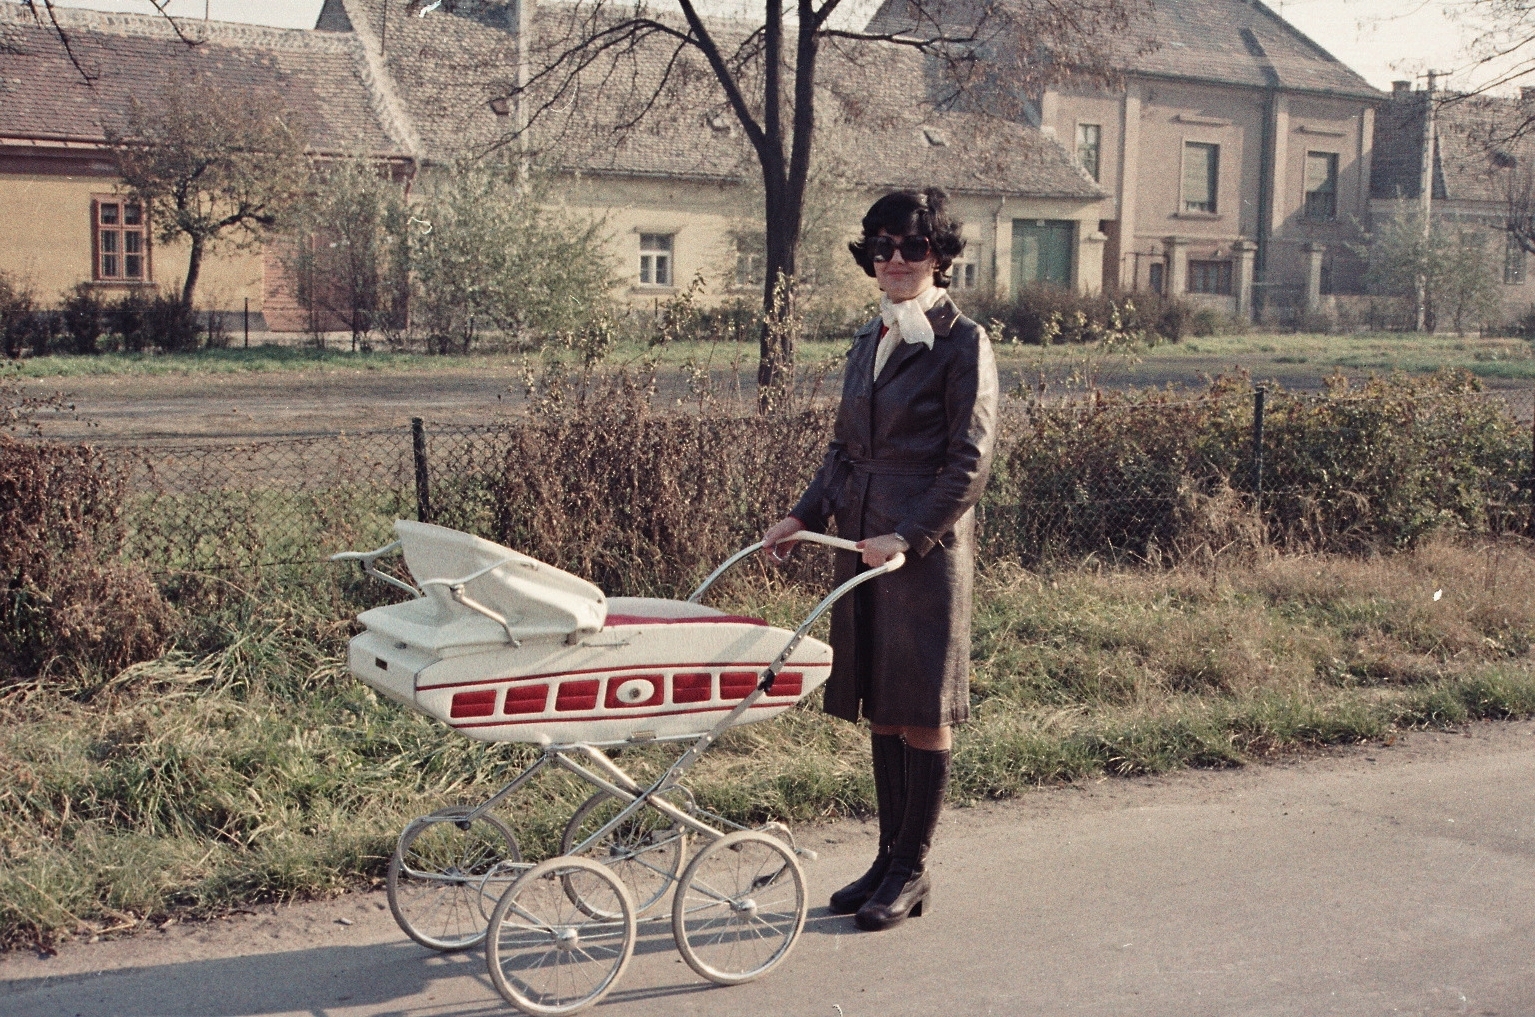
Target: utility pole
[
  {"x": 524, "y": 35},
  {"x": 1426, "y": 196}
]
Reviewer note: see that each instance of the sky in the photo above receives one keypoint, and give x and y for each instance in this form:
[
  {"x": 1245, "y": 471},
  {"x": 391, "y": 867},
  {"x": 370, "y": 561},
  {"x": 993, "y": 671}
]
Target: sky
[{"x": 1381, "y": 39}]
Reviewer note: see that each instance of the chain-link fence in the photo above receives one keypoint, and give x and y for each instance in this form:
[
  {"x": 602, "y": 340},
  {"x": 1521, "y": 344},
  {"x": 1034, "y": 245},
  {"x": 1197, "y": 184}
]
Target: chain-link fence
[{"x": 1138, "y": 474}]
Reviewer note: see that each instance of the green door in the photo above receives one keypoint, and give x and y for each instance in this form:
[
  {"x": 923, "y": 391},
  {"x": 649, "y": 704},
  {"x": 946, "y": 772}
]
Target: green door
[{"x": 1042, "y": 252}]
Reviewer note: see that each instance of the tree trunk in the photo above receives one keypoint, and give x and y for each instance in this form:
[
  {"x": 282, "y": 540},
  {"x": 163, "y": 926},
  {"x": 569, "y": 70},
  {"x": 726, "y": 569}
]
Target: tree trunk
[
  {"x": 194, "y": 269},
  {"x": 785, "y": 183},
  {"x": 775, "y": 368}
]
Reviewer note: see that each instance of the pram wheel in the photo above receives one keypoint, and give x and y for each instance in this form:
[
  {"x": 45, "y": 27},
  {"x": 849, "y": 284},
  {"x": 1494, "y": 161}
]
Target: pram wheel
[
  {"x": 546, "y": 955},
  {"x": 646, "y": 850},
  {"x": 739, "y": 908},
  {"x": 443, "y": 878}
]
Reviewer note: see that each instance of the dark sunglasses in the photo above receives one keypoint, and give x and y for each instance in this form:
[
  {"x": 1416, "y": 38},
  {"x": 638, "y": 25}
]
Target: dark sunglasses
[{"x": 915, "y": 248}]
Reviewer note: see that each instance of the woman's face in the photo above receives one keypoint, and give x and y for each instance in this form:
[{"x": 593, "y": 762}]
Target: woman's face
[{"x": 902, "y": 279}]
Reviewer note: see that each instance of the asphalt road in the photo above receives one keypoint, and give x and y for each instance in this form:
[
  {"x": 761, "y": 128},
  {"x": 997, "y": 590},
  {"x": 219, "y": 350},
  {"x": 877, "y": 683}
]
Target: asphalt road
[{"x": 1380, "y": 880}]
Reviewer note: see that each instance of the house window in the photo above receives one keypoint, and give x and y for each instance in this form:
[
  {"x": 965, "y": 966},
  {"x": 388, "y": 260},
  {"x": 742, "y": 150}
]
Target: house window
[
  {"x": 1201, "y": 168},
  {"x": 1210, "y": 277},
  {"x": 119, "y": 240},
  {"x": 655, "y": 259},
  {"x": 1513, "y": 262},
  {"x": 1088, "y": 138},
  {"x": 1321, "y": 185},
  {"x": 962, "y": 274},
  {"x": 748, "y": 268}
]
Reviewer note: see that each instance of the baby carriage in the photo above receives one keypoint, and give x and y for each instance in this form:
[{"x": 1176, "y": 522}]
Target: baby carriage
[{"x": 502, "y": 647}]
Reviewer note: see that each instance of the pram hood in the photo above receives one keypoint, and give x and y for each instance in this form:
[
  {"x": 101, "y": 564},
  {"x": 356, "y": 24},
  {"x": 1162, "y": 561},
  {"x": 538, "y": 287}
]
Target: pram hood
[{"x": 537, "y": 600}]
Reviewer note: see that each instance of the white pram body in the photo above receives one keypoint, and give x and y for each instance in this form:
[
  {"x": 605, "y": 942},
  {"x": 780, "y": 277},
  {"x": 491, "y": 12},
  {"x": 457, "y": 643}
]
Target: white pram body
[
  {"x": 504, "y": 648},
  {"x": 568, "y": 664}
]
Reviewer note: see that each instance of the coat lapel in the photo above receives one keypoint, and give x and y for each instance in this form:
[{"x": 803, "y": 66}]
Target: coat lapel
[
  {"x": 941, "y": 316},
  {"x": 860, "y": 359}
]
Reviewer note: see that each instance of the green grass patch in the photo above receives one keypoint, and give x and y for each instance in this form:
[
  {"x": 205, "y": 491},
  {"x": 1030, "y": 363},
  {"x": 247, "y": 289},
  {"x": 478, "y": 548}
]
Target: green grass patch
[
  {"x": 1262, "y": 353},
  {"x": 270, "y": 358},
  {"x": 248, "y": 766}
]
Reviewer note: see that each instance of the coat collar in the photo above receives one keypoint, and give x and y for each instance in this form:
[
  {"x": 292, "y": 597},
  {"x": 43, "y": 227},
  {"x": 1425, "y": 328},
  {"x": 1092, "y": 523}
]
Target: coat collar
[{"x": 941, "y": 316}]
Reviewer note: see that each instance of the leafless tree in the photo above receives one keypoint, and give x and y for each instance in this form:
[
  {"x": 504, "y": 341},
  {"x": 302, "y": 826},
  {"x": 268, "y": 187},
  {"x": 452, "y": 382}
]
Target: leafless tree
[
  {"x": 988, "y": 56},
  {"x": 209, "y": 166}
]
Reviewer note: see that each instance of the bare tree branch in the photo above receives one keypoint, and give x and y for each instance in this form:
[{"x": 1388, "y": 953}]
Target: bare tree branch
[{"x": 41, "y": 7}]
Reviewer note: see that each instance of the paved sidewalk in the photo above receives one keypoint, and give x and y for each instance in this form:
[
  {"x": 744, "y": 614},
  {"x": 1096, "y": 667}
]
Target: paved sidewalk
[{"x": 1375, "y": 881}]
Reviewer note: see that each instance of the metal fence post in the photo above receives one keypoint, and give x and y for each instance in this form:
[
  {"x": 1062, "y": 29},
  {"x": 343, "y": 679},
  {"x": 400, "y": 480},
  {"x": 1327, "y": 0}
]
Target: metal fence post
[
  {"x": 1257, "y": 450},
  {"x": 418, "y": 451}
]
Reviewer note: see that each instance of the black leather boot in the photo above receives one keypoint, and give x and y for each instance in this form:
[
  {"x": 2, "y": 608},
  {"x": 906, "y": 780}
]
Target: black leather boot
[
  {"x": 890, "y": 798},
  {"x": 907, "y": 887}
]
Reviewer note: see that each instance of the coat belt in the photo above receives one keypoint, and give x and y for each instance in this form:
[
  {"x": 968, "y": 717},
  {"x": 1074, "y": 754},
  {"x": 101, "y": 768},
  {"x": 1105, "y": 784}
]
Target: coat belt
[
  {"x": 847, "y": 465},
  {"x": 895, "y": 467}
]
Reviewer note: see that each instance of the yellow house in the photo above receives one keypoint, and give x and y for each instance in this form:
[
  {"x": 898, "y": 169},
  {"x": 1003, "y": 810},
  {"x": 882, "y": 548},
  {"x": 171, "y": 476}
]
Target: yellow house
[
  {"x": 675, "y": 192},
  {"x": 64, "y": 218}
]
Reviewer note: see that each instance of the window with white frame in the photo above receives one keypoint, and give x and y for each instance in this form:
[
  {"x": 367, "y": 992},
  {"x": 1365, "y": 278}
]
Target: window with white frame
[
  {"x": 1089, "y": 137},
  {"x": 1201, "y": 174},
  {"x": 1513, "y": 262},
  {"x": 656, "y": 259},
  {"x": 962, "y": 275},
  {"x": 1321, "y": 185}
]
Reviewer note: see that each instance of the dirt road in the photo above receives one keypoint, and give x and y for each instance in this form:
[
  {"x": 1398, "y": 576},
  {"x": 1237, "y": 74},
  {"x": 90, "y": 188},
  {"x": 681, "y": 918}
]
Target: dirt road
[
  {"x": 1380, "y": 880},
  {"x": 252, "y": 405}
]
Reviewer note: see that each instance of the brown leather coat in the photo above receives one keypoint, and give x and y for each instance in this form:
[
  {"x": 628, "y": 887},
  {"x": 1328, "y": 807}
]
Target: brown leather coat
[{"x": 910, "y": 454}]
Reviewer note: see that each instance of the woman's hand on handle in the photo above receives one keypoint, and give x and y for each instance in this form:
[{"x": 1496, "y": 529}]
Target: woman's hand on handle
[
  {"x": 781, "y": 533},
  {"x": 878, "y": 550}
]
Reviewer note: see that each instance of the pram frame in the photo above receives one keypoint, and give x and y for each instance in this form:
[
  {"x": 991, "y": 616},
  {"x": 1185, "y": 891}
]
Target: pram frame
[{"x": 585, "y": 761}]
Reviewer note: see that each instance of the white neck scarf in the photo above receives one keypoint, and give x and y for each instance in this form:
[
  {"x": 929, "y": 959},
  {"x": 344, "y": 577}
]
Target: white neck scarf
[{"x": 906, "y": 321}]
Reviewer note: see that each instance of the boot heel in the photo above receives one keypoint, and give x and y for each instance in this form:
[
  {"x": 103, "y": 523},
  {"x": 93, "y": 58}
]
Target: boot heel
[{"x": 922, "y": 904}]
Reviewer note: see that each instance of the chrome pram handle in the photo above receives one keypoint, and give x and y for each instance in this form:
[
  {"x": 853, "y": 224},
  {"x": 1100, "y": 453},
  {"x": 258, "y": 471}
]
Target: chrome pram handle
[
  {"x": 765, "y": 684},
  {"x": 807, "y": 535}
]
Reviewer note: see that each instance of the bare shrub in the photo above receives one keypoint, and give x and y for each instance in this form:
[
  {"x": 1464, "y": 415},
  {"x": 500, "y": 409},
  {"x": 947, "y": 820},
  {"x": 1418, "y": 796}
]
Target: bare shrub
[
  {"x": 70, "y": 604},
  {"x": 639, "y": 501},
  {"x": 1149, "y": 474}
]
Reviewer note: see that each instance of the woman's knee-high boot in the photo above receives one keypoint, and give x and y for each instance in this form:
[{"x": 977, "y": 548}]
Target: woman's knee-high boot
[
  {"x": 890, "y": 798},
  {"x": 906, "y": 887}
]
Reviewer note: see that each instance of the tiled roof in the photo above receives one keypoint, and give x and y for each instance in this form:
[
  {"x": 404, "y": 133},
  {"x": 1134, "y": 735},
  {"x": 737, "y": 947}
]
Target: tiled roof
[
  {"x": 1240, "y": 42},
  {"x": 1476, "y": 136},
  {"x": 449, "y": 66},
  {"x": 319, "y": 77}
]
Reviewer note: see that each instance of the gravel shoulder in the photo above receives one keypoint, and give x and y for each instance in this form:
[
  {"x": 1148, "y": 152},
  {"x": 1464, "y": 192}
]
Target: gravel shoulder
[
  {"x": 255, "y": 405},
  {"x": 1373, "y": 880}
]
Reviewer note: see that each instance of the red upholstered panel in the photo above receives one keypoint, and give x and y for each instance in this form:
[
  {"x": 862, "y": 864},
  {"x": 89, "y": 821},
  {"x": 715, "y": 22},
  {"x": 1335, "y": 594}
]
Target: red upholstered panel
[
  {"x": 692, "y": 688},
  {"x": 642, "y": 619},
  {"x": 788, "y": 683},
  {"x": 479, "y": 703},
  {"x": 526, "y": 699},
  {"x": 577, "y": 696},
  {"x": 737, "y": 684},
  {"x": 657, "y": 683}
]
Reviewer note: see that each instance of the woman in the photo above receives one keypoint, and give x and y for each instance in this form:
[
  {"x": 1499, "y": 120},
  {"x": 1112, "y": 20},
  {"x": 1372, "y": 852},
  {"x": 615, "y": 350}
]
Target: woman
[{"x": 908, "y": 460}]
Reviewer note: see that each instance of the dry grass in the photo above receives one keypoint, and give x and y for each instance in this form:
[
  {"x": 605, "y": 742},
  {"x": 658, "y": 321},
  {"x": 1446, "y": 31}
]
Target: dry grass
[{"x": 193, "y": 786}]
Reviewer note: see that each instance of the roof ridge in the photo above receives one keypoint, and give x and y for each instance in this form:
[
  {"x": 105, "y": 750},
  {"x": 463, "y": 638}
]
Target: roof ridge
[
  {"x": 219, "y": 33},
  {"x": 380, "y": 83}
]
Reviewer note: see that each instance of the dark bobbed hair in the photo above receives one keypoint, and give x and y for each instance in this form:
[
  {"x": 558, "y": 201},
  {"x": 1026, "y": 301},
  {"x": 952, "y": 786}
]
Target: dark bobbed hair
[{"x": 912, "y": 213}]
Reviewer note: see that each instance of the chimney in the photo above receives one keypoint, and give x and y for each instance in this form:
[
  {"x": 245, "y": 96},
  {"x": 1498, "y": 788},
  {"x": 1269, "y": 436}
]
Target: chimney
[{"x": 1400, "y": 88}]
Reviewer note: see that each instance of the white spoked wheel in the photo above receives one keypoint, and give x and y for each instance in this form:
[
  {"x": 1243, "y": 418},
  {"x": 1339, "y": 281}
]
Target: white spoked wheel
[
  {"x": 646, "y": 850},
  {"x": 441, "y": 873},
  {"x": 547, "y": 955},
  {"x": 739, "y": 908}
]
